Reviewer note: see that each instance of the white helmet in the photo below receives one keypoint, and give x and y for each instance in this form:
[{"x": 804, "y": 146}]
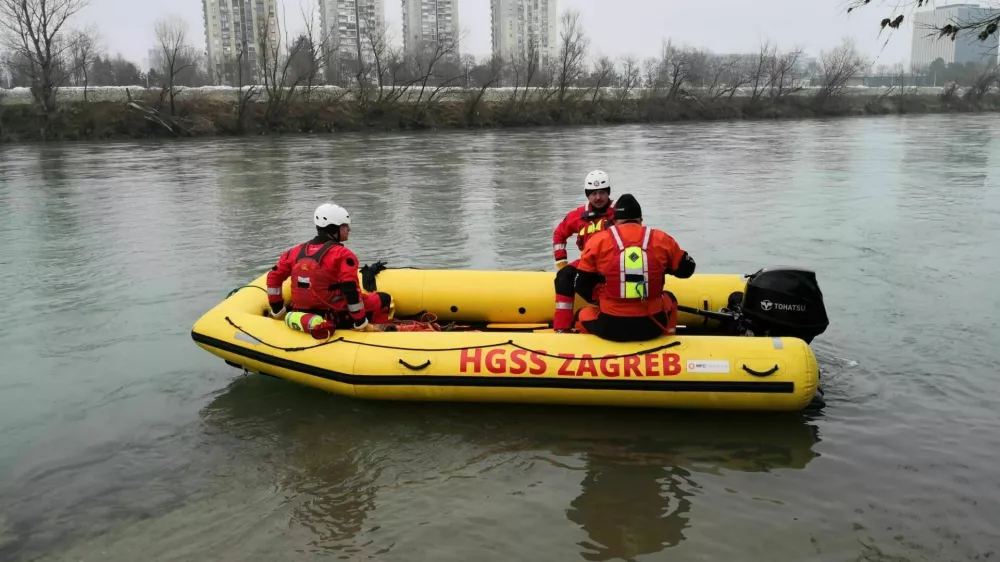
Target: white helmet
[
  {"x": 598, "y": 179},
  {"x": 328, "y": 213}
]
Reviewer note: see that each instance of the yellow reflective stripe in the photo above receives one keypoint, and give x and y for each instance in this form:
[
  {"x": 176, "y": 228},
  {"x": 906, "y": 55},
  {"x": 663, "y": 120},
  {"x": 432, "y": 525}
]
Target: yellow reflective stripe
[
  {"x": 592, "y": 228},
  {"x": 632, "y": 261},
  {"x": 634, "y": 264}
]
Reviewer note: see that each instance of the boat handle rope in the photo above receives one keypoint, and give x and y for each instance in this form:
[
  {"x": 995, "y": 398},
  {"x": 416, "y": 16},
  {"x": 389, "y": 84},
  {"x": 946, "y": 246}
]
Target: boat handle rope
[
  {"x": 766, "y": 373},
  {"x": 484, "y": 346},
  {"x": 420, "y": 367}
]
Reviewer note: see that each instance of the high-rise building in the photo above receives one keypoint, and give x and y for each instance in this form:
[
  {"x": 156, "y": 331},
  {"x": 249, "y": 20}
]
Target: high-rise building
[
  {"x": 232, "y": 26},
  {"x": 517, "y": 24},
  {"x": 427, "y": 23},
  {"x": 928, "y": 47},
  {"x": 5, "y": 74},
  {"x": 344, "y": 20}
]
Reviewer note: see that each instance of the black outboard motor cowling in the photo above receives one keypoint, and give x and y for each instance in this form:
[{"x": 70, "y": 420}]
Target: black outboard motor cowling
[{"x": 784, "y": 302}]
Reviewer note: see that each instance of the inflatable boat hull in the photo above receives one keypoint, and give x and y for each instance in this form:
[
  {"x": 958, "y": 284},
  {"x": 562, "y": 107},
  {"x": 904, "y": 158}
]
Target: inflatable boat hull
[{"x": 528, "y": 366}]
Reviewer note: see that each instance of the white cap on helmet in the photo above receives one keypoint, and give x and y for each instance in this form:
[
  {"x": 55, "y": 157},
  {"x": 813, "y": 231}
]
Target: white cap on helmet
[
  {"x": 598, "y": 179},
  {"x": 328, "y": 213}
]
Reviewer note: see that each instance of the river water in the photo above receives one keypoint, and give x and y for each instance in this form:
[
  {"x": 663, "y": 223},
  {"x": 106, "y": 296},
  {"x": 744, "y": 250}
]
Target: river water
[{"x": 121, "y": 440}]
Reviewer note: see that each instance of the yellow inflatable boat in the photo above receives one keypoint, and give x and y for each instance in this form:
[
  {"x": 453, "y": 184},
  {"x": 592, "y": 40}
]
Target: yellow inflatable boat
[{"x": 500, "y": 346}]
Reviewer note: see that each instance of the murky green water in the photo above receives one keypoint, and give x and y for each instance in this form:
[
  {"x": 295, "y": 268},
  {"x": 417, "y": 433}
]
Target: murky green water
[{"x": 121, "y": 440}]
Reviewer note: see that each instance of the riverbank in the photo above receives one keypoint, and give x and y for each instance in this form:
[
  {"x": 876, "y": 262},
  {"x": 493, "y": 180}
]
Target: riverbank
[{"x": 149, "y": 115}]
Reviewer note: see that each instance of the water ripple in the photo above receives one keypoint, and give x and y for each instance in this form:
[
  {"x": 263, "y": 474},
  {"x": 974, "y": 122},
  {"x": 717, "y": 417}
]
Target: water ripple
[{"x": 121, "y": 436}]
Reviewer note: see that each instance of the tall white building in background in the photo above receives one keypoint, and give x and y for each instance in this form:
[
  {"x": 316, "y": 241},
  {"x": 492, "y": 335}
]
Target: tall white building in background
[
  {"x": 967, "y": 47},
  {"x": 427, "y": 23},
  {"x": 343, "y": 20},
  {"x": 231, "y": 23},
  {"x": 518, "y": 23},
  {"x": 5, "y": 77}
]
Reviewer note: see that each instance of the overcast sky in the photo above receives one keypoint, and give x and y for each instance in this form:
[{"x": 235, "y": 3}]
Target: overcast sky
[{"x": 615, "y": 27}]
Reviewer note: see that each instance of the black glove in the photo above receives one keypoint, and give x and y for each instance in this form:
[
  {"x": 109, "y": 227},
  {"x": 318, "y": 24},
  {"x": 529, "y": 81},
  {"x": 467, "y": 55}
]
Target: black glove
[{"x": 368, "y": 274}]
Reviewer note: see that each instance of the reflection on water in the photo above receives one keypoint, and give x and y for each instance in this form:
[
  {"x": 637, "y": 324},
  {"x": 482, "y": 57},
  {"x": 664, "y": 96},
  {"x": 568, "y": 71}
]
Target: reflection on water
[{"x": 641, "y": 469}]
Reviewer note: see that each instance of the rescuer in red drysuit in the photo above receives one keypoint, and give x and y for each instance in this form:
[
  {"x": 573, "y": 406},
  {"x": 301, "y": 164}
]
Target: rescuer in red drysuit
[
  {"x": 324, "y": 282},
  {"x": 584, "y": 222},
  {"x": 632, "y": 261}
]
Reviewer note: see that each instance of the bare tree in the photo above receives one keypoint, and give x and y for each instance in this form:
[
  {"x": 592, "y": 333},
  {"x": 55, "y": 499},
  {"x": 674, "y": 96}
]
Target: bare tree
[
  {"x": 524, "y": 68},
  {"x": 83, "y": 50},
  {"x": 34, "y": 30},
  {"x": 248, "y": 93},
  {"x": 678, "y": 68},
  {"x": 987, "y": 78},
  {"x": 428, "y": 63},
  {"x": 784, "y": 75},
  {"x": 652, "y": 75},
  {"x": 315, "y": 55},
  {"x": 487, "y": 77},
  {"x": 839, "y": 66},
  {"x": 468, "y": 64},
  {"x": 603, "y": 74},
  {"x": 171, "y": 33},
  {"x": 573, "y": 44},
  {"x": 630, "y": 78},
  {"x": 883, "y": 74},
  {"x": 727, "y": 75},
  {"x": 758, "y": 70},
  {"x": 385, "y": 73},
  {"x": 277, "y": 67}
]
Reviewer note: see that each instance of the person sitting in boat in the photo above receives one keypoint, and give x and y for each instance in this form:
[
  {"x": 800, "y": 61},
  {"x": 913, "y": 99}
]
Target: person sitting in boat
[
  {"x": 324, "y": 272},
  {"x": 584, "y": 222},
  {"x": 632, "y": 262}
]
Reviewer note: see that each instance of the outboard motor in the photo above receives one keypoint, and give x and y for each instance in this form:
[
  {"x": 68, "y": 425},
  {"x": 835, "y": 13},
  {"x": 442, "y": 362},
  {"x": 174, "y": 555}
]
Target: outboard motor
[{"x": 780, "y": 302}]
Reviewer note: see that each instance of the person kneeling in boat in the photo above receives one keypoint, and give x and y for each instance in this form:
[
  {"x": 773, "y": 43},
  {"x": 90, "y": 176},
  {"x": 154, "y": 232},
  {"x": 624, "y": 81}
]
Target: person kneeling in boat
[
  {"x": 324, "y": 272},
  {"x": 632, "y": 262},
  {"x": 584, "y": 222}
]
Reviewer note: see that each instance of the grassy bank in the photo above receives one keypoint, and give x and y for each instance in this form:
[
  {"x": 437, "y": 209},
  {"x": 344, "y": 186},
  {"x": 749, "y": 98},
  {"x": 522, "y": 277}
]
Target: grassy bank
[{"x": 200, "y": 117}]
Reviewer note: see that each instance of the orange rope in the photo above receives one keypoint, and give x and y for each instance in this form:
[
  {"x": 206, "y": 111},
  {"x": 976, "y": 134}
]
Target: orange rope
[{"x": 427, "y": 322}]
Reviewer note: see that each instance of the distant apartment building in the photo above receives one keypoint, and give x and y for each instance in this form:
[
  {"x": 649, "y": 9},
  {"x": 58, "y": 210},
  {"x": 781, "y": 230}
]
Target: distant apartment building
[
  {"x": 344, "y": 20},
  {"x": 5, "y": 77},
  {"x": 427, "y": 23},
  {"x": 928, "y": 47},
  {"x": 517, "y": 24},
  {"x": 231, "y": 26}
]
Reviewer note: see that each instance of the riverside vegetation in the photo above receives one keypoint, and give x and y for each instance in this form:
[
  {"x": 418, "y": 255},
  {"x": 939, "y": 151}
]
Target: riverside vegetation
[
  {"x": 300, "y": 86},
  {"x": 204, "y": 116}
]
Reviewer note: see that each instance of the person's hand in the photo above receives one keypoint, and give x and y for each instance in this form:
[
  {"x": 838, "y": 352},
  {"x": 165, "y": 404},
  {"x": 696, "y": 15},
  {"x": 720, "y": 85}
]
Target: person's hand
[
  {"x": 276, "y": 314},
  {"x": 560, "y": 264},
  {"x": 366, "y": 327},
  {"x": 368, "y": 274}
]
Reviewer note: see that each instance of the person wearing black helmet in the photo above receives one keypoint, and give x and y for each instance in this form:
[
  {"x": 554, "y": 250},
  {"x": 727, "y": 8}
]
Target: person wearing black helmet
[{"x": 632, "y": 261}]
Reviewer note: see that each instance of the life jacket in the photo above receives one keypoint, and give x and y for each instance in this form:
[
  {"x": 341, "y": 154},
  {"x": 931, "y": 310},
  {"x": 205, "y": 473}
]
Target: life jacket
[
  {"x": 591, "y": 229},
  {"x": 631, "y": 278},
  {"x": 603, "y": 221},
  {"x": 313, "y": 286}
]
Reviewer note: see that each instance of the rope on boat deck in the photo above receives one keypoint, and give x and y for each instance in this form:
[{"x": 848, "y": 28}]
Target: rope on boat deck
[{"x": 484, "y": 346}]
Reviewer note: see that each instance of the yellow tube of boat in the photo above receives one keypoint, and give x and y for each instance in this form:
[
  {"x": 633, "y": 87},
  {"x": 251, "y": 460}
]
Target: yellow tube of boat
[
  {"x": 707, "y": 372},
  {"x": 523, "y": 297}
]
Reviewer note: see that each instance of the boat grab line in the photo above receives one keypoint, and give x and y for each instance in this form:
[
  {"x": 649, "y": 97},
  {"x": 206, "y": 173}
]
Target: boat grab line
[{"x": 484, "y": 346}]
